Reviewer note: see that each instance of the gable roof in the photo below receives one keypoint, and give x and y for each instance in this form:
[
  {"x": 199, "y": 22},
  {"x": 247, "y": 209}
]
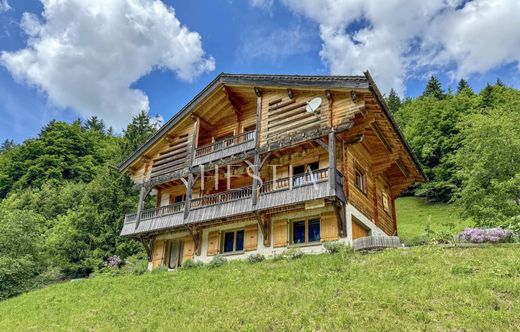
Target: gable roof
[
  {"x": 260, "y": 80},
  {"x": 256, "y": 80}
]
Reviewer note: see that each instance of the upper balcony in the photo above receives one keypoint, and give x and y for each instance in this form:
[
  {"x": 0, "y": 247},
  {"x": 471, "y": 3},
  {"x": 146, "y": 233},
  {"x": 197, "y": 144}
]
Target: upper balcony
[
  {"x": 224, "y": 148},
  {"x": 281, "y": 192}
]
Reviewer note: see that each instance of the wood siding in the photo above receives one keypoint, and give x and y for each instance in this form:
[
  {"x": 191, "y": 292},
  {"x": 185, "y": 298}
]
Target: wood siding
[
  {"x": 158, "y": 254},
  {"x": 358, "y": 230}
]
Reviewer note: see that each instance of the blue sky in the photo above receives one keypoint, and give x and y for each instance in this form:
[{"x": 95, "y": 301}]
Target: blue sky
[{"x": 292, "y": 37}]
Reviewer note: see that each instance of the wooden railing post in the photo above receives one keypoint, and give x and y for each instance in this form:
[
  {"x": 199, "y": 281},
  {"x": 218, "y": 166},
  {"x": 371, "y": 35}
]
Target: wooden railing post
[
  {"x": 332, "y": 163},
  {"x": 145, "y": 190}
]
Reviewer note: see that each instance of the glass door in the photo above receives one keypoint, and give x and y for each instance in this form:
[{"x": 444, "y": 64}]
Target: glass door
[{"x": 176, "y": 249}]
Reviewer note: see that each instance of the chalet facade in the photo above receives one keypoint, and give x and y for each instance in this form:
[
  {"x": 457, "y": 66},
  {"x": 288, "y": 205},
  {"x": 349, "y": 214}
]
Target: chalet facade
[{"x": 260, "y": 163}]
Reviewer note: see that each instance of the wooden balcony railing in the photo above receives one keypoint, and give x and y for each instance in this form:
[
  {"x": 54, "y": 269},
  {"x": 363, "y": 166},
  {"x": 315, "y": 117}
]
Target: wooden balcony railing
[
  {"x": 157, "y": 212},
  {"x": 295, "y": 181},
  {"x": 222, "y": 197},
  {"x": 225, "y": 143}
]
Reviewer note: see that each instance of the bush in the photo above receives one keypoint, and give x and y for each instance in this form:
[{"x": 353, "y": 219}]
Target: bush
[
  {"x": 486, "y": 235},
  {"x": 255, "y": 258},
  {"x": 136, "y": 264},
  {"x": 335, "y": 247},
  {"x": 217, "y": 261},
  {"x": 113, "y": 261},
  {"x": 189, "y": 264},
  {"x": 16, "y": 276}
]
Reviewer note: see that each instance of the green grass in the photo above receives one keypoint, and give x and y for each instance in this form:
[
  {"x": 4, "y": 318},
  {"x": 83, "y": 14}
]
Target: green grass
[
  {"x": 423, "y": 288},
  {"x": 414, "y": 214}
]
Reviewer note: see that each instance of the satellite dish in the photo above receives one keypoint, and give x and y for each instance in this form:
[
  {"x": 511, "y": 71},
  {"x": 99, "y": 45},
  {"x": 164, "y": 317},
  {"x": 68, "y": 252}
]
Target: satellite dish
[{"x": 313, "y": 105}]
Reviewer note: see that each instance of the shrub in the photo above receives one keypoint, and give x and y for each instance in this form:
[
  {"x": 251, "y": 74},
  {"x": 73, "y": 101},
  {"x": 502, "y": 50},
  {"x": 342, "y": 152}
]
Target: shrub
[
  {"x": 255, "y": 258},
  {"x": 217, "y": 261},
  {"x": 136, "y": 264},
  {"x": 483, "y": 235},
  {"x": 16, "y": 276},
  {"x": 335, "y": 247},
  {"x": 113, "y": 261},
  {"x": 294, "y": 254},
  {"x": 189, "y": 264}
]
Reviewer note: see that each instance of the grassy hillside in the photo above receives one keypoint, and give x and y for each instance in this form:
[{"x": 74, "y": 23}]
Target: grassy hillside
[
  {"x": 401, "y": 289},
  {"x": 415, "y": 214}
]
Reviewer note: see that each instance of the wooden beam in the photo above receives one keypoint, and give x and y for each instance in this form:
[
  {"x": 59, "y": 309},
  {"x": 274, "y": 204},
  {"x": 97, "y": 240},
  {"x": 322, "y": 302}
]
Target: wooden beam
[
  {"x": 381, "y": 137},
  {"x": 233, "y": 100},
  {"x": 332, "y": 163},
  {"x": 290, "y": 94},
  {"x": 329, "y": 98},
  {"x": 256, "y": 166},
  {"x": 322, "y": 144},
  {"x": 203, "y": 123},
  {"x": 144, "y": 192}
]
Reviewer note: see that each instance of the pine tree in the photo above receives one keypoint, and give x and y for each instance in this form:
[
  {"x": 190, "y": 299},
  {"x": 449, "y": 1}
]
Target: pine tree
[
  {"x": 6, "y": 145},
  {"x": 393, "y": 101},
  {"x": 486, "y": 94},
  {"x": 434, "y": 89},
  {"x": 463, "y": 86},
  {"x": 137, "y": 132},
  {"x": 499, "y": 82},
  {"x": 95, "y": 124}
]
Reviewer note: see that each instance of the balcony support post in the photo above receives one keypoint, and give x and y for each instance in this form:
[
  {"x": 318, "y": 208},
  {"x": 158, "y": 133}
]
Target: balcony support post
[
  {"x": 332, "y": 163},
  {"x": 145, "y": 191},
  {"x": 256, "y": 166}
]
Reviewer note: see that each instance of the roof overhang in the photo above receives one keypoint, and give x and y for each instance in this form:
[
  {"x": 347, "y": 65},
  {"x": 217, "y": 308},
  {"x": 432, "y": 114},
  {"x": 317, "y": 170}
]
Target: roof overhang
[{"x": 253, "y": 80}]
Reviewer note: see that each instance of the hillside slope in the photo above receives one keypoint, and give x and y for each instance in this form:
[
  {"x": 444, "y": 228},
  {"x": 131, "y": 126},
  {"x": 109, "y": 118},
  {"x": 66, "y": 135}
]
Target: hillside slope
[{"x": 400, "y": 289}]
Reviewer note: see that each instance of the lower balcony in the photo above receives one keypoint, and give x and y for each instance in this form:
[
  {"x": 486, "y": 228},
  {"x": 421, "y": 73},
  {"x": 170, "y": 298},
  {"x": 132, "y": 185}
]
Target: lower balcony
[{"x": 278, "y": 193}]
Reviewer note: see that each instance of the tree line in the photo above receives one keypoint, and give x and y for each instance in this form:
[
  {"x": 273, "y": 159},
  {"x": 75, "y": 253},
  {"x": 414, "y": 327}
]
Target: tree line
[{"x": 469, "y": 147}]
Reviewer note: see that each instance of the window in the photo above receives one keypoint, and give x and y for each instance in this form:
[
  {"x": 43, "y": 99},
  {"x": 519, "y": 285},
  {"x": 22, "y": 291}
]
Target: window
[
  {"x": 233, "y": 241},
  {"x": 175, "y": 253},
  {"x": 360, "y": 180},
  {"x": 305, "y": 231},
  {"x": 177, "y": 199},
  {"x": 386, "y": 202}
]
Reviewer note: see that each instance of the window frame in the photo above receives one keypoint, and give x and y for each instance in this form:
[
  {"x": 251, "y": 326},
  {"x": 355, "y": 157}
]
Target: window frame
[
  {"x": 223, "y": 241},
  {"x": 385, "y": 197},
  {"x": 363, "y": 188},
  {"x": 306, "y": 221}
]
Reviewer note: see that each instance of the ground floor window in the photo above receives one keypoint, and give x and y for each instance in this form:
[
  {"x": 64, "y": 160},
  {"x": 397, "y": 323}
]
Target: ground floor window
[
  {"x": 233, "y": 241},
  {"x": 305, "y": 231},
  {"x": 174, "y": 252}
]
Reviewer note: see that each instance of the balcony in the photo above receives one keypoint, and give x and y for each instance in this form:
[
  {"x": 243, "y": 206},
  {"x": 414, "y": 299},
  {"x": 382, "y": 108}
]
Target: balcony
[
  {"x": 225, "y": 148},
  {"x": 155, "y": 219},
  {"x": 278, "y": 193}
]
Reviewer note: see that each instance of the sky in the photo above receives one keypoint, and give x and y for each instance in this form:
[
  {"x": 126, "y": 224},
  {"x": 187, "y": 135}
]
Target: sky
[{"x": 70, "y": 59}]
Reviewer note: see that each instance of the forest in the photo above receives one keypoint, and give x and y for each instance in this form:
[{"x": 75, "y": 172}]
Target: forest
[{"x": 62, "y": 200}]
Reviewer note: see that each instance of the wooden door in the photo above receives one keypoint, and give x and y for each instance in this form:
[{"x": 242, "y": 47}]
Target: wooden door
[{"x": 358, "y": 230}]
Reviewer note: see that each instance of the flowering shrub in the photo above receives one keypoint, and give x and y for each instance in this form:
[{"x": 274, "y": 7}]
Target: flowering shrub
[
  {"x": 481, "y": 235},
  {"x": 113, "y": 261}
]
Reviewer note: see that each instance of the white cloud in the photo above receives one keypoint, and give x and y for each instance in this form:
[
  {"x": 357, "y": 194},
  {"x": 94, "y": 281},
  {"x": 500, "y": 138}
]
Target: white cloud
[
  {"x": 396, "y": 39},
  {"x": 86, "y": 54},
  {"x": 4, "y": 6},
  {"x": 277, "y": 44},
  {"x": 263, "y": 4}
]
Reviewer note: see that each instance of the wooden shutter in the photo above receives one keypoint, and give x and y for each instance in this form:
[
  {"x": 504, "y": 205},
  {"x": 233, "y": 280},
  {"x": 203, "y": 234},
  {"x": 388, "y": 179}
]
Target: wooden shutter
[
  {"x": 158, "y": 253},
  {"x": 189, "y": 249},
  {"x": 213, "y": 238},
  {"x": 328, "y": 227},
  {"x": 358, "y": 230},
  {"x": 280, "y": 233},
  {"x": 251, "y": 237}
]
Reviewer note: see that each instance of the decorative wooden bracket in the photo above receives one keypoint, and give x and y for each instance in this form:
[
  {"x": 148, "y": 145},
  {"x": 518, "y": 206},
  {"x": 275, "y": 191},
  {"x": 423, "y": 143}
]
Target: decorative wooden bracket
[
  {"x": 196, "y": 236},
  {"x": 290, "y": 93},
  {"x": 233, "y": 100},
  {"x": 148, "y": 246},
  {"x": 322, "y": 144},
  {"x": 203, "y": 123},
  {"x": 340, "y": 217},
  {"x": 263, "y": 224},
  {"x": 145, "y": 191},
  {"x": 258, "y": 92}
]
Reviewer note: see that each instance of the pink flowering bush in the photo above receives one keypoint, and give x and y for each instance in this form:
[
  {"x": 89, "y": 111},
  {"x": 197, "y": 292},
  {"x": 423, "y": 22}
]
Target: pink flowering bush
[{"x": 486, "y": 235}]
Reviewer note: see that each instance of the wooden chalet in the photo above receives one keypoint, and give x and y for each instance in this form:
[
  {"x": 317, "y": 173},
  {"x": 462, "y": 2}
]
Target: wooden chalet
[{"x": 248, "y": 166}]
